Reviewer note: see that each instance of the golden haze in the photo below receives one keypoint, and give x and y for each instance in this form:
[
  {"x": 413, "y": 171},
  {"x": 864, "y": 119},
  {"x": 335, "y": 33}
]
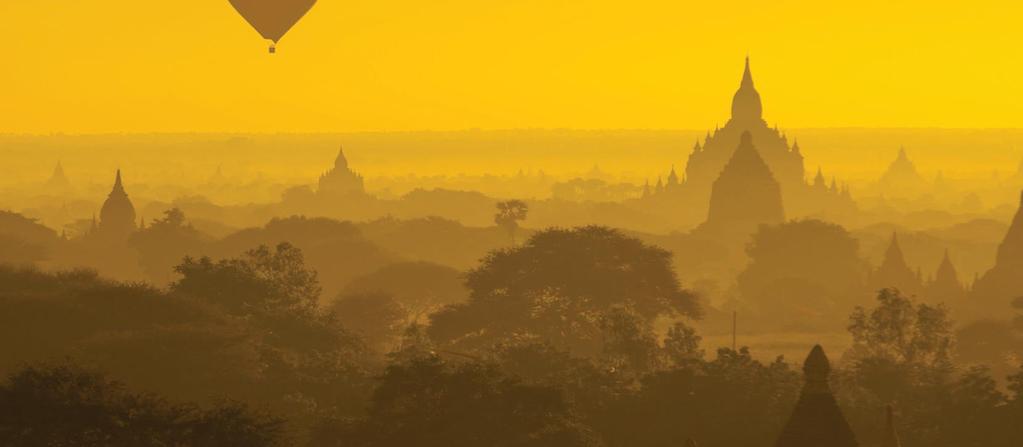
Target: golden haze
[{"x": 195, "y": 66}]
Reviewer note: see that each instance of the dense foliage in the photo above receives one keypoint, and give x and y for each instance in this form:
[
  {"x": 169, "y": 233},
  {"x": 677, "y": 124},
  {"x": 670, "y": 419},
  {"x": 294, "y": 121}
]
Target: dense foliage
[{"x": 579, "y": 337}]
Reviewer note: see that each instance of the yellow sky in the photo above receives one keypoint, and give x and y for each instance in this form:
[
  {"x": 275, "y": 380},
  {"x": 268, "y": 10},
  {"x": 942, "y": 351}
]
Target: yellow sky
[{"x": 84, "y": 66}]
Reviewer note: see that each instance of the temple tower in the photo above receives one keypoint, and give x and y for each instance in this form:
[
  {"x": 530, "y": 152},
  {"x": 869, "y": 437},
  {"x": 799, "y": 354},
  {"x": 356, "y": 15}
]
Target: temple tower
[
  {"x": 895, "y": 273},
  {"x": 817, "y": 421},
  {"x": 746, "y": 194},
  {"x": 946, "y": 286},
  {"x": 341, "y": 179},
  {"x": 117, "y": 216},
  {"x": 1004, "y": 282},
  {"x": 746, "y": 105}
]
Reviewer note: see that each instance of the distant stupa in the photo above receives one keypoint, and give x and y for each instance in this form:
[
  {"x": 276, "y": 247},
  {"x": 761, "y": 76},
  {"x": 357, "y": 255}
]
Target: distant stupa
[
  {"x": 817, "y": 421},
  {"x": 894, "y": 272},
  {"x": 901, "y": 174},
  {"x": 1004, "y": 282},
  {"x": 58, "y": 181},
  {"x": 341, "y": 180},
  {"x": 946, "y": 286},
  {"x": 117, "y": 217},
  {"x": 746, "y": 194}
]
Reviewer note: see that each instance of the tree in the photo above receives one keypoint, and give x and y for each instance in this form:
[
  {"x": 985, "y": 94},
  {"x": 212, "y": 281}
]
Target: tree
[
  {"x": 306, "y": 358},
  {"x": 682, "y": 346},
  {"x": 427, "y": 402},
  {"x": 733, "y": 400},
  {"x": 23, "y": 240},
  {"x": 902, "y": 331},
  {"x": 899, "y": 347},
  {"x": 628, "y": 341},
  {"x": 337, "y": 250},
  {"x": 806, "y": 271},
  {"x": 420, "y": 287},
  {"x": 558, "y": 288},
  {"x": 67, "y": 405},
  {"x": 509, "y": 214},
  {"x": 164, "y": 243},
  {"x": 377, "y": 317},
  {"x": 262, "y": 281}
]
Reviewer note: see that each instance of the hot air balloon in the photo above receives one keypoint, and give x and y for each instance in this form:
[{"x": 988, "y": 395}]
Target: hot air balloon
[{"x": 272, "y": 18}]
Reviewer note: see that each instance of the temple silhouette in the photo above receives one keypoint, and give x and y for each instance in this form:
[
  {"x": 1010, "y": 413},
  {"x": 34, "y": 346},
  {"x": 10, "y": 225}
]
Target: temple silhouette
[
  {"x": 783, "y": 159},
  {"x": 945, "y": 287},
  {"x": 894, "y": 272},
  {"x": 745, "y": 195},
  {"x": 117, "y": 216},
  {"x": 817, "y": 421},
  {"x": 902, "y": 175},
  {"x": 341, "y": 179},
  {"x": 58, "y": 182},
  {"x": 1004, "y": 282}
]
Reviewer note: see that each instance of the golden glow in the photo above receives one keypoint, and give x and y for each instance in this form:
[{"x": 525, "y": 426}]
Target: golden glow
[{"x": 193, "y": 65}]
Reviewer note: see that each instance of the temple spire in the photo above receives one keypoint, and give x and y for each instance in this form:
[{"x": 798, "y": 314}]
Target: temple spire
[
  {"x": 747, "y": 75},
  {"x": 894, "y": 253},
  {"x": 746, "y": 106},
  {"x": 341, "y": 162}
]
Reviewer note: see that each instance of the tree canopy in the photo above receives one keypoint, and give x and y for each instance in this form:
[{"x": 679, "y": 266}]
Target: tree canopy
[{"x": 560, "y": 287}]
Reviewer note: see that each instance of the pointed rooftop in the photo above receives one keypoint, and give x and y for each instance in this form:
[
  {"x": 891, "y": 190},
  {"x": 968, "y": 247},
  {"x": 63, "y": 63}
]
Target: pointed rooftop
[
  {"x": 818, "y": 181},
  {"x": 947, "y": 271},
  {"x": 58, "y": 180},
  {"x": 746, "y": 193},
  {"x": 117, "y": 216},
  {"x": 817, "y": 420},
  {"x": 341, "y": 162},
  {"x": 1011, "y": 248},
  {"x": 894, "y": 272},
  {"x": 673, "y": 177},
  {"x": 1004, "y": 282},
  {"x": 746, "y": 105}
]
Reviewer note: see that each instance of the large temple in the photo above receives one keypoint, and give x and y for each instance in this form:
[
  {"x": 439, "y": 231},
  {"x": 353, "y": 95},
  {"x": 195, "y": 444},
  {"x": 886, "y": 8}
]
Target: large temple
[{"x": 783, "y": 158}]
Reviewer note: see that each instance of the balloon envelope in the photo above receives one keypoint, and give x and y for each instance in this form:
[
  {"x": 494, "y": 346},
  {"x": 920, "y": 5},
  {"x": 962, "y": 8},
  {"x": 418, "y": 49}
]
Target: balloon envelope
[{"x": 272, "y": 18}]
